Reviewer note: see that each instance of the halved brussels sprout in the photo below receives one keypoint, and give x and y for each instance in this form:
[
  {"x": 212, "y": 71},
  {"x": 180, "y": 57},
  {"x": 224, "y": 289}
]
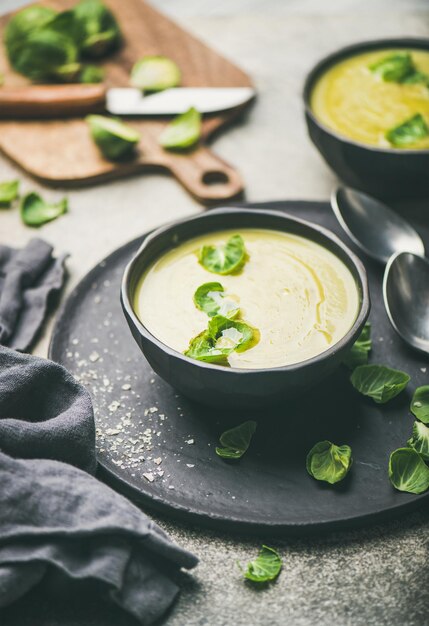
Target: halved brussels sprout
[
  {"x": 155, "y": 73},
  {"x": 115, "y": 139},
  {"x": 100, "y": 30}
]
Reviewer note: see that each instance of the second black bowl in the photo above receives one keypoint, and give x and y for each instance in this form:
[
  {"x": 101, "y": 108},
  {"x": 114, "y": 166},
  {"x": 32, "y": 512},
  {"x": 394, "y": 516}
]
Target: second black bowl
[
  {"x": 230, "y": 387},
  {"x": 382, "y": 172}
]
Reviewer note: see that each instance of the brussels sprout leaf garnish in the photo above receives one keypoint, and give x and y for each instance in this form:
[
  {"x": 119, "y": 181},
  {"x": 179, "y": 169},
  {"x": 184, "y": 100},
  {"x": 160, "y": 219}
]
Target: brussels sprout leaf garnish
[
  {"x": 8, "y": 192},
  {"x": 35, "y": 211},
  {"x": 358, "y": 354},
  {"x": 409, "y": 132},
  {"x": 379, "y": 382},
  {"x": 183, "y": 132},
  {"x": 420, "y": 404},
  {"x": 233, "y": 334},
  {"x": 224, "y": 259},
  {"x": 155, "y": 73},
  {"x": 408, "y": 471},
  {"x": 329, "y": 462},
  {"x": 394, "y": 67},
  {"x": 420, "y": 439},
  {"x": 99, "y": 28},
  {"x": 236, "y": 441},
  {"x": 115, "y": 139},
  {"x": 210, "y": 298},
  {"x": 203, "y": 348},
  {"x": 223, "y": 336},
  {"x": 265, "y": 567}
]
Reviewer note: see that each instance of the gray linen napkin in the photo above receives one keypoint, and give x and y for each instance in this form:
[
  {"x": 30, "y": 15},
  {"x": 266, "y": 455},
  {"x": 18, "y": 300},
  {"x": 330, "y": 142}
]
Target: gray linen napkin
[
  {"x": 54, "y": 514},
  {"x": 28, "y": 278}
]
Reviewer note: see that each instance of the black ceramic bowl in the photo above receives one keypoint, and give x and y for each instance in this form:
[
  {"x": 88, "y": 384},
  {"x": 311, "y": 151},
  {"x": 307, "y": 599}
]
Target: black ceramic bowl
[
  {"x": 226, "y": 386},
  {"x": 382, "y": 172}
]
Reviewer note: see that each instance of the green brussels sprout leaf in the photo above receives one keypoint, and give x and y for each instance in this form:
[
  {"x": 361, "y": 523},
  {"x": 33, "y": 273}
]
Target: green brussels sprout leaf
[
  {"x": 420, "y": 404},
  {"x": 394, "y": 67},
  {"x": 9, "y": 191},
  {"x": 420, "y": 439},
  {"x": 409, "y": 132},
  {"x": 236, "y": 441},
  {"x": 35, "y": 211},
  {"x": 183, "y": 132},
  {"x": 329, "y": 462},
  {"x": 99, "y": 28},
  {"x": 210, "y": 298},
  {"x": 358, "y": 354},
  {"x": 408, "y": 471},
  {"x": 224, "y": 259},
  {"x": 23, "y": 23},
  {"x": 203, "y": 348},
  {"x": 115, "y": 139},
  {"x": 379, "y": 382},
  {"x": 265, "y": 567},
  {"x": 155, "y": 73},
  {"x": 91, "y": 74},
  {"x": 233, "y": 334}
]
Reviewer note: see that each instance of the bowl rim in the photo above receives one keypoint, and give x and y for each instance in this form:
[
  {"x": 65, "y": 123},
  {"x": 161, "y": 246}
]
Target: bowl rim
[
  {"x": 345, "y": 52},
  {"x": 361, "y": 317}
]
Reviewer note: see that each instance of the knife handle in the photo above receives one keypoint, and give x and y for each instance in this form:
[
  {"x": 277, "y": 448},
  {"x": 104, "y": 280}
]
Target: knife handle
[
  {"x": 51, "y": 100},
  {"x": 206, "y": 176}
]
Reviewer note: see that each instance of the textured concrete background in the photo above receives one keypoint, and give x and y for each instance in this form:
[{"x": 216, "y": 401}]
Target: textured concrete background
[{"x": 372, "y": 577}]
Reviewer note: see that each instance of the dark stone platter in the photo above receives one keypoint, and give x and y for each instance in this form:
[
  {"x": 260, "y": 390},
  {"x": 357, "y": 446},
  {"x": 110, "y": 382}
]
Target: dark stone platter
[{"x": 159, "y": 448}]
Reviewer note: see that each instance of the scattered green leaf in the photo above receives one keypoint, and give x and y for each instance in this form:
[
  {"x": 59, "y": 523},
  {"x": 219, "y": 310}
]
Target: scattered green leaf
[
  {"x": 99, "y": 28},
  {"x": 394, "y": 67},
  {"x": 379, "y": 382},
  {"x": 224, "y": 259},
  {"x": 91, "y": 74},
  {"x": 420, "y": 404},
  {"x": 236, "y": 441},
  {"x": 329, "y": 462},
  {"x": 183, "y": 131},
  {"x": 233, "y": 334},
  {"x": 420, "y": 439},
  {"x": 35, "y": 211},
  {"x": 203, "y": 348},
  {"x": 210, "y": 298},
  {"x": 155, "y": 73},
  {"x": 9, "y": 191},
  {"x": 409, "y": 132},
  {"x": 265, "y": 567},
  {"x": 115, "y": 139},
  {"x": 408, "y": 471},
  {"x": 360, "y": 350}
]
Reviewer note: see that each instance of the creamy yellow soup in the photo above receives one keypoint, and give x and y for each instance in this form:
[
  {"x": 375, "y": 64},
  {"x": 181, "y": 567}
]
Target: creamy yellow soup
[
  {"x": 300, "y": 296},
  {"x": 356, "y": 102}
]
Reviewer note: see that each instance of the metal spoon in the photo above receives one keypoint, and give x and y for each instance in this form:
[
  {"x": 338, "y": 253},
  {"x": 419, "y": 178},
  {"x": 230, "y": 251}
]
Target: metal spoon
[
  {"x": 406, "y": 298},
  {"x": 376, "y": 229},
  {"x": 386, "y": 237}
]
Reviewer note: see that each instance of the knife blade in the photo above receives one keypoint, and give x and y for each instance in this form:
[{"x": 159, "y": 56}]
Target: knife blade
[
  {"x": 129, "y": 101},
  {"x": 68, "y": 100}
]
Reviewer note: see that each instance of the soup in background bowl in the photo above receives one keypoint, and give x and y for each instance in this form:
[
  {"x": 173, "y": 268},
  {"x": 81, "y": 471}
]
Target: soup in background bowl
[
  {"x": 300, "y": 299},
  {"x": 367, "y": 96},
  {"x": 372, "y": 132}
]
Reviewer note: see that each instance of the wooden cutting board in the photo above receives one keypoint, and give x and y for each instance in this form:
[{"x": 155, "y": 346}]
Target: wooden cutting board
[{"x": 61, "y": 151}]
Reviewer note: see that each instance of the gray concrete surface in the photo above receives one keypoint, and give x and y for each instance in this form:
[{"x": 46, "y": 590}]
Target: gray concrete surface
[{"x": 373, "y": 577}]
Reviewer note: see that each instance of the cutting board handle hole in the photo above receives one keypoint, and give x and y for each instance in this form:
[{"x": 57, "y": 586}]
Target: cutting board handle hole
[{"x": 215, "y": 178}]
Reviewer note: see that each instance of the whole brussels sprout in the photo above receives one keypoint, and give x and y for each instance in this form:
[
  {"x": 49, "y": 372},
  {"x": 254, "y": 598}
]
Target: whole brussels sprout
[
  {"x": 44, "y": 44},
  {"x": 47, "y": 54},
  {"x": 101, "y": 32},
  {"x": 22, "y": 23}
]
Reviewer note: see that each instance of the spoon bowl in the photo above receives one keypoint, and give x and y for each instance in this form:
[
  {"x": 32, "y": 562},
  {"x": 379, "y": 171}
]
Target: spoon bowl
[
  {"x": 373, "y": 227},
  {"x": 406, "y": 298}
]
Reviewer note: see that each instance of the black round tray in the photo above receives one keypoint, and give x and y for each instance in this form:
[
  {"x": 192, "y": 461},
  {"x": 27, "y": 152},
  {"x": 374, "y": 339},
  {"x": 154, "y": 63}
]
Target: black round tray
[{"x": 159, "y": 447}]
